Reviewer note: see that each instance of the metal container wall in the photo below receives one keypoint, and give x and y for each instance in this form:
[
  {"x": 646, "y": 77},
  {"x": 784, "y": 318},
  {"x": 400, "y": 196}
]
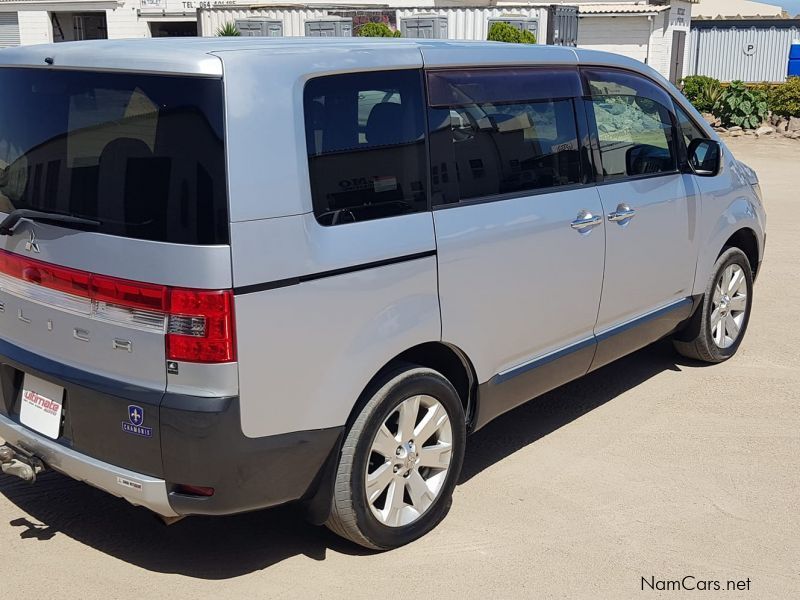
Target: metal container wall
[
  {"x": 293, "y": 19},
  {"x": 473, "y": 23},
  {"x": 752, "y": 54},
  {"x": 462, "y": 23}
]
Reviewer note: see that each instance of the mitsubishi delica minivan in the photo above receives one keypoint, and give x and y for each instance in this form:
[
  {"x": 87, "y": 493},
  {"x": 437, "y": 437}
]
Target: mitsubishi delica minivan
[{"x": 237, "y": 273}]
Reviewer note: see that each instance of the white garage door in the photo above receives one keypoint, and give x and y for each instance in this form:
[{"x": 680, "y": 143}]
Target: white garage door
[
  {"x": 624, "y": 35},
  {"x": 9, "y": 29}
]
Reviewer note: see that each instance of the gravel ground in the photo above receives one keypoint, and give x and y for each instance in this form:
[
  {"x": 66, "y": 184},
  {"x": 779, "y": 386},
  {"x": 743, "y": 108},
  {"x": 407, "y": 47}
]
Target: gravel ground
[{"x": 651, "y": 467}]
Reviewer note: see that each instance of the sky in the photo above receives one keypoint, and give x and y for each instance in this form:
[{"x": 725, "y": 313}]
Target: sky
[{"x": 792, "y": 6}]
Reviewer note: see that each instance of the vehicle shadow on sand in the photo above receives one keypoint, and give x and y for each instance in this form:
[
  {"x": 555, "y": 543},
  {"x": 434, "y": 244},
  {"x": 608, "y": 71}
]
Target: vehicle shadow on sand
[{"x": 226, "y": 547}]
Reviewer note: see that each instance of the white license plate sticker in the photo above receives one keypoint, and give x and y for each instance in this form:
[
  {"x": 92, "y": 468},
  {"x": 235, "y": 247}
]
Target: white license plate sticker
[{"x": 42, "y": 403}]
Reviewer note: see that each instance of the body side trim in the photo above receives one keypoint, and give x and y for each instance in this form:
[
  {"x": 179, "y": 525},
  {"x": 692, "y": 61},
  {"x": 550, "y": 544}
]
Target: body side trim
[
  {"x": 513, "y": 387},
  {"x": 271, "y": 285},
  {"x": 504, "y": 376},
  {"x": 635, "y": 322}
]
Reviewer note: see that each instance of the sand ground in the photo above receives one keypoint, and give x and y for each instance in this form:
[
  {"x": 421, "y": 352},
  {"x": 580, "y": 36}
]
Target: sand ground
[{"x": 652, "y": 467}]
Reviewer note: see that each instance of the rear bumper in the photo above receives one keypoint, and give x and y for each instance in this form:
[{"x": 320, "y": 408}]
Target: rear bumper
[
  {"x": 196, "y": 441},
  {"x": 138, "y": 489}
]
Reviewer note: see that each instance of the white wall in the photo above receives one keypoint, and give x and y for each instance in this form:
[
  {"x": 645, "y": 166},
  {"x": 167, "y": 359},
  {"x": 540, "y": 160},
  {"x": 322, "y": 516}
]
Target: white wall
[
  {"x": 34, "y": 27},
  {"x": 124, "y": 22},
  {"x": 732, "y": 8},
  {"x": 648, "y": 39},
  {"x": 628, "y": 35},
  {"x": 678, "y": 18}
]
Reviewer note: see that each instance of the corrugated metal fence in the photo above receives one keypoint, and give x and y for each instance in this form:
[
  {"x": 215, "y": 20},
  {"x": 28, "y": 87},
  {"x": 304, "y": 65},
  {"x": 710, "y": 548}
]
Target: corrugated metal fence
[
  {"x": 9, "y": 30},
  {"x": 752, "y": 54}
]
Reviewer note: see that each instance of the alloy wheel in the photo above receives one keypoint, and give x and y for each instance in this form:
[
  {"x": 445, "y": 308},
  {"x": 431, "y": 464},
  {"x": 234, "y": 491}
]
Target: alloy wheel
[
  {"x": 728, "y": 306},
  {"x": 409, "y": 460}
]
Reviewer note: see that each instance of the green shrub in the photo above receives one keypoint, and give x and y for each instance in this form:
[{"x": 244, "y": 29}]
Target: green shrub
[
  {"x": 229, "y": 29},
  {"x": 703, "y": 92},
  {"x": 503, "y": 32},
  {"x": 742, "y": 106},
  {"x": 376, "y": 30},
  {"x": 785, "y": 98}
]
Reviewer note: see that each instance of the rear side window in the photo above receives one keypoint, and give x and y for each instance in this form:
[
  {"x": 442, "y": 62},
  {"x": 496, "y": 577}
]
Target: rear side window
[
  {"x": 366, "y": 145},
  {"x": 634, "y": 126},
  {"x": 503, "y": 131},
  {"x": 142, "y": 154}
]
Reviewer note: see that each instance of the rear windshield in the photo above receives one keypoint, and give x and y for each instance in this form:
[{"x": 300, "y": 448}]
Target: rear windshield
[{"x": 142, "y": 154}]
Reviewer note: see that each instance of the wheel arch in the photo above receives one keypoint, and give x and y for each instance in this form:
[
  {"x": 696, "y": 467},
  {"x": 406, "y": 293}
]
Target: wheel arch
[
  {"x": 447, "y": 359},
  {"x": 745, "y": 239}
]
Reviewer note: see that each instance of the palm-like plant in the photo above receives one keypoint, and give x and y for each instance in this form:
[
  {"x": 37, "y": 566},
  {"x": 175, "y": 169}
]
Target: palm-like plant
[
  {"x": 228, "y": 30},
  {"x": 711, "y": 94}
]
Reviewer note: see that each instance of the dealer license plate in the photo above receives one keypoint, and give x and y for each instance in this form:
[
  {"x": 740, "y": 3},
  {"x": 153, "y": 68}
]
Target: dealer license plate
[{"x": 42, "y": 403}]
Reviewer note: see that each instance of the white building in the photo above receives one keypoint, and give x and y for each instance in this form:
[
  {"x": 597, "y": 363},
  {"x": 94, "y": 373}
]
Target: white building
[
  {"x": 735, "y": 8},
  {"x": 24, "y": 22},
  {"x": 653, "y": 31}
]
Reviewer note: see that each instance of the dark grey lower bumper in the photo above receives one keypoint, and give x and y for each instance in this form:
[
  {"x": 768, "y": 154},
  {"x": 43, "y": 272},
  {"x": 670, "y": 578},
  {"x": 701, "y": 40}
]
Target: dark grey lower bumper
[
  {"x": 141, "y": 490},
  {"x": 202, "y": 444},
  {"x": 195, "y": 441}
]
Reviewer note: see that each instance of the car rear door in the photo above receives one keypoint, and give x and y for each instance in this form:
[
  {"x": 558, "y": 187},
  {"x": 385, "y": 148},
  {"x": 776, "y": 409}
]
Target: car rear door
[
  {"x": 652, "y": 212},
  {"x": 103, "y": 315},
  {"x": 520, "y": 231}
]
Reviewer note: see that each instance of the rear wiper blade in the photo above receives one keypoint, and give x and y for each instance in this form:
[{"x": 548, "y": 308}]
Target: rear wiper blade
[{"x": 12, "y": 220}]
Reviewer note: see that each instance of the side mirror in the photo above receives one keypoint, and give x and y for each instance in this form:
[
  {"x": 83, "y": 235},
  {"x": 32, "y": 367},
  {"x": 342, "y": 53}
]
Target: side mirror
[{"x": 705, "y": 157}]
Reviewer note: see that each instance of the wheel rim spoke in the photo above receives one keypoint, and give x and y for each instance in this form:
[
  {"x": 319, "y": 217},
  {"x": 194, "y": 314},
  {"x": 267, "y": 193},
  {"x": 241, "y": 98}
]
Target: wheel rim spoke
[
  {"x": 378, "y": 480},
  {"x": 738, "y": 303},
  {"x": 409, "y": 461},
  {"x": 385, "y": 443},
  {"x": 394, "y": 503},
  {"x": 731, "y": 327},
  {"x": 715, "y": 317},
  {"x": 432, "y": 420},
  {"x": 436, "y": 457},
  {"x": 407, "y": 418},
  {"x": 421, "y": 497},
  {"x": 719, "y": 333},
  {"x": 739, "y": 283},
  {"x": 726, "y": 279},
  {"x": 737, "y": 277}
]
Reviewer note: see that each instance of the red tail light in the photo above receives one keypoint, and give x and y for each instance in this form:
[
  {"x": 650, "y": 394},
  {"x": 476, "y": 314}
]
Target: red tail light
[
  {"x": 198, "y": 323},
  {"x": 200, "y": 327}
]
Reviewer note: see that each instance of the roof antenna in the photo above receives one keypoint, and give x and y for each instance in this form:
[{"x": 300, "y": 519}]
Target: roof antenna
[{"x": 49, "y": 60}]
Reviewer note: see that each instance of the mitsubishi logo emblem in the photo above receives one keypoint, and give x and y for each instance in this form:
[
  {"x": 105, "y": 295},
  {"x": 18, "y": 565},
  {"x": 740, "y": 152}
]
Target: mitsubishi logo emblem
[{"x": 32, "y": 245}]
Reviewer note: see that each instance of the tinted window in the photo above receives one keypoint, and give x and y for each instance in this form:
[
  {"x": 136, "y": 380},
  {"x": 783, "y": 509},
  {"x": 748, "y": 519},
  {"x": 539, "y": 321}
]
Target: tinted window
[
  {"x": 634, "y": 125},
  {"x": 366, "y": 146},
  {"x": 689, "y": 130},
  {"x": 142, "y": 154},
  {"x": 491, "y": 139}
]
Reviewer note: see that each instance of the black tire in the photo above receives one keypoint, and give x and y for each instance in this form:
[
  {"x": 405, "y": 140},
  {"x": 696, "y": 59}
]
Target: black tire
[
  {"x": 350, "y": 515},
  {"x": 697, "y": 341}
]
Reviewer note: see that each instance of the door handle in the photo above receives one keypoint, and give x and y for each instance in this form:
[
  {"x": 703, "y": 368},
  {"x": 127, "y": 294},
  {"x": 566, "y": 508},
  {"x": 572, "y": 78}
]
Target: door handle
[
  {"x": 586, "y": 221},
  {"x": 622, "y": 215}
]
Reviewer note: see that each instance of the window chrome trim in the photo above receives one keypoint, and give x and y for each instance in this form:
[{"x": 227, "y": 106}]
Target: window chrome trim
[{"x": 515, "y": 195}]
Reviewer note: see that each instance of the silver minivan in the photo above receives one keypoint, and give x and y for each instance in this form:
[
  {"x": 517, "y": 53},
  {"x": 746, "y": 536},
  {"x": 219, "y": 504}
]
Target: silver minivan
[{"x": 236, "y": 273}]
